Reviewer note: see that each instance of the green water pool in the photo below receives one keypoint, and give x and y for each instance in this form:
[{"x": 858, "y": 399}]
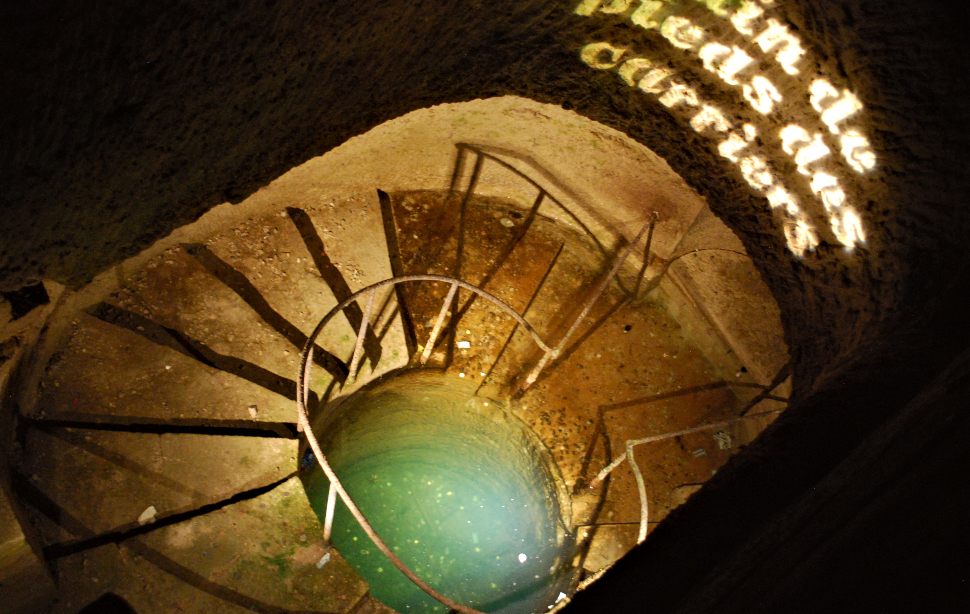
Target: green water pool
[{"x": 460, "y": 489}]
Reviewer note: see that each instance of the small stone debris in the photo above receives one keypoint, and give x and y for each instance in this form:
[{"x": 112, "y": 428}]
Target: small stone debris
[
  {"x": 148, "y": 515},
  {"x": 723, "y": 439},
  {"x": 464, "y": 345},
  {"x": 253, "y": 411},
  {"x": 506, "y": 222},
  {"x": 323, "y": 560}
]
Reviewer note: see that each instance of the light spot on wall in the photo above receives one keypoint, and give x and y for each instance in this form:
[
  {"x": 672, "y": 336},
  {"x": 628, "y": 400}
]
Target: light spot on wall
[
  {"x": 680, "y": 32},
  {"x": 692, "y": 26},
  {"x": 755, "y": 171},
  {"x": 679, "y": 93},
  {"x": 761, "y": 94},
  {"x": 833, "y": 106},
  {"x": 804, "y": 148},
  {"x": 746, "y": 16},
  {"x": 649, "y": 15},
  {"x": 730, "y": 147},
  {"x": 710, "y": 118},
  {"x": 726, "y": 62},
  {"x": 601, "y": 55},
  {"x": 651, "y": 82},
  {"x": 775, "y": 39},
  {"x": 857, "y": 151}
]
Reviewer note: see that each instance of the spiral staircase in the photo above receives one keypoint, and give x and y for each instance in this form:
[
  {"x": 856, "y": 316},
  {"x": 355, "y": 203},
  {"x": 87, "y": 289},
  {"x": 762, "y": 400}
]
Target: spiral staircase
[{"x": 156, "y": 452}]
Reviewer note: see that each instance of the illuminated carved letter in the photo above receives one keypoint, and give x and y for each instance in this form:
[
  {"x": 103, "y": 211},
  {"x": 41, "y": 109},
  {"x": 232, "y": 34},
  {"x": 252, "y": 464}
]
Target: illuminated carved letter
[
  {"x": 801, "y": 236},
  {"x": 710, "y": 117},
  {"x": 761, "y": 94},
  {"x": 812, "y": 152},
  {"x": 755, "y": 171},
  {"x": 792, "y": 136},
  {"x": 588, "y": 7},
  {"x": 631, "y": 70},
  {"x": 776, "y": 35},
  {"x": 828, "y": 189},
  {"x": 842, "y": 109},
  {"x": 710, "y": 53},
  {"x": 680, "y": 32},
  {"x": 847, "y": 227},
  {"x": 601, "y": 55},
  {"x": 779, "y": 197},
  {"x": 857, "y": 152},
  {"x": 833, "y": 108},
  {"x": 746, "y": 16},
  {"x": 651, "y": 82},
  {"x": 820, "y": 92},
  {"x": 736, "y": 61},
  {"x": 679, "y": 93},
  {"x": 718, "y": 7},
  {"x": 804, "y": 148},
  {"x": 735, "y": 143},
  {"x": 644, "y": 15}
]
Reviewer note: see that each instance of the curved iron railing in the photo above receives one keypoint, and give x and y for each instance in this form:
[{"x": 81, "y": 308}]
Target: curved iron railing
[
  {"x": 549, "y": 353},
  {"x": 303, "y": 395}
]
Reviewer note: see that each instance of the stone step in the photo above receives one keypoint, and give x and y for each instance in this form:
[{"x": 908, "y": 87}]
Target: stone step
[
  {"x": 106, "y": 480},
  {"x": 256, "y": 555},
  {"x": 104, "y": 370}
]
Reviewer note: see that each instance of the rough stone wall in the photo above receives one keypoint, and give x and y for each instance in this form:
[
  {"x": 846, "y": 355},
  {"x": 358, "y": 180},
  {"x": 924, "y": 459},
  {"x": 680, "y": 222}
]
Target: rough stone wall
[{"x": 124, "y": 121}]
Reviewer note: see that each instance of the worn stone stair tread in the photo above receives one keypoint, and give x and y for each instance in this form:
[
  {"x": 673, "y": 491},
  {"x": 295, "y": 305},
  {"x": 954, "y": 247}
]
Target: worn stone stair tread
[
  {"x": 105, "y": 370},
  {"x": 176, "y": 292},
  {"x": 138, "y": 580},
  {"x": 270, "y": 253},
  {"x": 265, "y": 548},
  {"x": 252, "y": 562},
  {"x": 111, "y": 478},
  {"x": 645, "y": 364}
]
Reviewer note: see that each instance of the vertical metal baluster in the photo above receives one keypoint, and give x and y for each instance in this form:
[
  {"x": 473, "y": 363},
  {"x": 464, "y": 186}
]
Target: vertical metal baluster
[
  {"x": 525, "y": 311},
  {"x": 358, "y": 349},
  {"x": 600, "y": 288},
  {"x": 641, "y": 491},
  {"x": 426, "y": 354},
  {"x": 328, "y": 520}
]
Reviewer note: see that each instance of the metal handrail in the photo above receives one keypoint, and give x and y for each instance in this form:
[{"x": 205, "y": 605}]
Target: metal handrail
[
  {"x": 303, "y": 395},
  {"x": 550, "y": 353}
]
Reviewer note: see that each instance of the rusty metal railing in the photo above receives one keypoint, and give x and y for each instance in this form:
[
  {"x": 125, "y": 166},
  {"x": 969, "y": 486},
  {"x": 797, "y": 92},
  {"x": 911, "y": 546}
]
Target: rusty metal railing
[
  {"x": 549, "y": 354},
  {"x": 303, "y": 395}
]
